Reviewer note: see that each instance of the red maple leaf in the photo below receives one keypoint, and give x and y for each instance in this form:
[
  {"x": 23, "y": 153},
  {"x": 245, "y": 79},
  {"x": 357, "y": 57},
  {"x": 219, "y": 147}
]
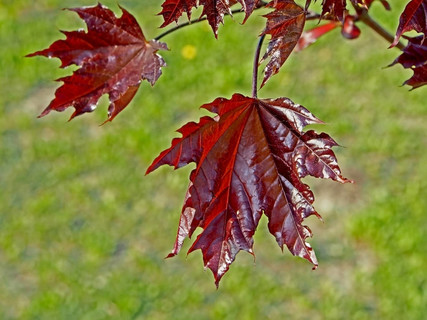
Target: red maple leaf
[
  {"x": 214, "y": 10},
  {"x": 114, "y": 57},
  {"x": 413, "y": 17},
  {"x": 173, "y": 9},
  {"x": 249, "y": 160},
  {"x": 285, "y": 25}
]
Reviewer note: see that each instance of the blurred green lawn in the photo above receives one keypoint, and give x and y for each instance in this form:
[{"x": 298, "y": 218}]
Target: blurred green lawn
[{"x": 83, "y": 233}]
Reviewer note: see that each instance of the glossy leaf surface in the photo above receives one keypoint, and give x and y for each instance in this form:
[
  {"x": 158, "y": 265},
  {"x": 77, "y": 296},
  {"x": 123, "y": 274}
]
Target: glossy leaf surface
[
  {"x": 413, "y": 17},
  {"x": 250, "y": 160},
  {"x": 113, "y": 56},
  {"x": 285, "y": 25}
]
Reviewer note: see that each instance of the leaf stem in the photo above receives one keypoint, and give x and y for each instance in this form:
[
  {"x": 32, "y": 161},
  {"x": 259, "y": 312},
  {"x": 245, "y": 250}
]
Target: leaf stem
[
  {"x": 255, "y": 70},
  {"x": 364, "y": 16}
]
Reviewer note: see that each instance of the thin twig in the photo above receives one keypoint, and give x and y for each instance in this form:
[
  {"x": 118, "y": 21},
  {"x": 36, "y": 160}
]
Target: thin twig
[
  {"x": 255, "y": 70},
  {"x": 363, "y": 15},
  {"x": 367, "y": 19}
]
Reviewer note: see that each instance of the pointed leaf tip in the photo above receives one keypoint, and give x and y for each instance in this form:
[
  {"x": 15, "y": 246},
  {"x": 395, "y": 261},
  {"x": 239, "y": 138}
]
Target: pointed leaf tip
[{"x": 413, "y": 17}]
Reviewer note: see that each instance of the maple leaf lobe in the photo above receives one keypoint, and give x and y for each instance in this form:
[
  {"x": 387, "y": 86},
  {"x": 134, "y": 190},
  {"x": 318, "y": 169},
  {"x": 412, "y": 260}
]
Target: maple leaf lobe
[
  {"x": 173, "y": 9},
  {"x": 114, "y": 57}
]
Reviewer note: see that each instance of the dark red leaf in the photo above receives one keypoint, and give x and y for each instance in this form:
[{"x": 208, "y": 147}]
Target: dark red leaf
[
  {"x": 334, "y": 8},
  {"x": 349, "y": 29},
  {"x": 414, "y": 17},
  {"x": 173, "y": 9},
  {"x": 214, "y": 10},
  {"x": 248, "y": 6},
  {"x": 114, "y": 57},
  {"x": 414, "y": 56},
  {"x": 419, "y": 78},
  {"x": 311, "y": 36},
  {"x": 285, "y": 25},
  {"x": 385, "y": 4},
  {"x": 249, "y": 160}
]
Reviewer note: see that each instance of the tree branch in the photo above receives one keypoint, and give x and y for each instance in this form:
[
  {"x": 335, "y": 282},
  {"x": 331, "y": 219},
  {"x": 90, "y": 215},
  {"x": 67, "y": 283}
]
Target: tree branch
[
  {"x": 364, "y": 16},
  {"x": 366, "y": 19},
  {"x": 255, "y": 70}
]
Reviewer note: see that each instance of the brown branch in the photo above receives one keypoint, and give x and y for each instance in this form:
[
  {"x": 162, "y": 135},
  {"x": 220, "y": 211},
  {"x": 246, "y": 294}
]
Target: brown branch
[
  {"x": 367, "y": 19},
  {"x": 363, "y": 15},
  {"x": 255, "y": 70}
]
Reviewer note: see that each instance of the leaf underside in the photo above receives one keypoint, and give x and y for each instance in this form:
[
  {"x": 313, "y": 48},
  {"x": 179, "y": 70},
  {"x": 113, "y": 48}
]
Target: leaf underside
[
  {"x": 250, "y": 160},
  {"x": 113, "y": 56}
]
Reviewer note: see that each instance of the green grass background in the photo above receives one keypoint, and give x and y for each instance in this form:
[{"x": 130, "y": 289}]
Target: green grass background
[{"x": 83, "y": 233}]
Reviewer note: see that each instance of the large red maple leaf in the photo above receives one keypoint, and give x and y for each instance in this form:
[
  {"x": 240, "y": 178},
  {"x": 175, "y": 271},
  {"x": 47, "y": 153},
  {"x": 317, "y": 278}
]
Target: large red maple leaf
[
  {"x": 249, "y": 160},
  {"x": 114, "y": 57},
  {"x": 285, "y": 25}
]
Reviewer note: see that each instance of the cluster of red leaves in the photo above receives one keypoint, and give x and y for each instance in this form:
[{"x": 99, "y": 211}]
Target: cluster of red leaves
[
  {"x": 414, "y": 56},
  {"x": 250, "y": 158},
  {"x": 213, "y": 10}
]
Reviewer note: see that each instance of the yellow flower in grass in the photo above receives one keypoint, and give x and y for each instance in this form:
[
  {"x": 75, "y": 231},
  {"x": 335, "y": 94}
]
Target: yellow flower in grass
[{"x": 189, "y": 52}]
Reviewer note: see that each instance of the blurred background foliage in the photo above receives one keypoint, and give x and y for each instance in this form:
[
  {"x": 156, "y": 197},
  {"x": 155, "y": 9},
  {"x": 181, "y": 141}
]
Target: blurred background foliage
[{"x": 83, "y": 233}]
